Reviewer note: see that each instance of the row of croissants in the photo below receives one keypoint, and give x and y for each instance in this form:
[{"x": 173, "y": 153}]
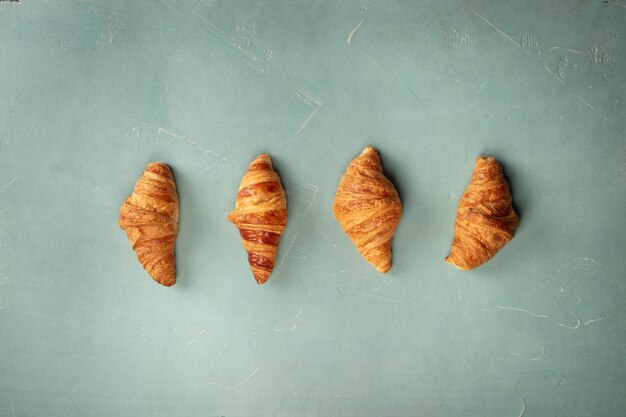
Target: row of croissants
[{"x": 367, "y": 207}]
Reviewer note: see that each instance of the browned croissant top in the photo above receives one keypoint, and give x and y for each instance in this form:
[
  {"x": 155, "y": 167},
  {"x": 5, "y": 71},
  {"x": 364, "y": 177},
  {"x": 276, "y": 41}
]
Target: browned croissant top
[
  {"x": 150, "y": 219},
  {"x": 485, "y": 219},
  {"x": 368, "y": 208},
  {"x": 260, "y": 214}
]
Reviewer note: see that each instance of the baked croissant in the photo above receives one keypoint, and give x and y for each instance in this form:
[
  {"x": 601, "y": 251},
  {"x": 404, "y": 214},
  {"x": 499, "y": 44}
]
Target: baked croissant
[
  {"x": 368, "y": 208},
  {"x": 260, "y": 214},
  {"x": 485, "y": 219},
  {"x": 150, "y": 219}
]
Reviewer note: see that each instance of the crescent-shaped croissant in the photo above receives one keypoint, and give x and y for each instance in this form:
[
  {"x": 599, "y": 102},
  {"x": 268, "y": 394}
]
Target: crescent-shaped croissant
[
  {"x": 485, "y": 219},
  {"x": 260, "y": 214},
  {"x": 368, "y": 208},
  {"x": 150, "y": 219}
]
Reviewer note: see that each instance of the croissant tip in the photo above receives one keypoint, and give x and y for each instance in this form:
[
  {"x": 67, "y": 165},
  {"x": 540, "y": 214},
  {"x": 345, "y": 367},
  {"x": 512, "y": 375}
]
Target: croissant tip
[
  {"x": 260, "y": 279},
  {"x": 157, "y": 164},
  {"x": 451, "y": 262},
  {"x": 369, "y": 149},
  {"x": 264, "y": 155},
  {"x": 167, "y": 282},
  {"x": 488, "y": 158}
]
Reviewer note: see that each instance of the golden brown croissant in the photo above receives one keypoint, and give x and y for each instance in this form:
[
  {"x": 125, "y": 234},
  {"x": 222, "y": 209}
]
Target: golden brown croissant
[
  {"x": 260, "y": 214},
  {"x": 368, "y": 208},
  {"x": 150, "y": 219},
  {"x": 485, "y": 219}
]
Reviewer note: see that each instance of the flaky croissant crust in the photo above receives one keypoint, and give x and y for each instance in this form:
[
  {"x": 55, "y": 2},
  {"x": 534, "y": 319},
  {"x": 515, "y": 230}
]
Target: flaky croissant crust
[
  {"x": 260, "y": 214},
  {"x": 485, "y": 219},
  {"x": 150, "y": 219},
  {"x": 368, "y": 208}
]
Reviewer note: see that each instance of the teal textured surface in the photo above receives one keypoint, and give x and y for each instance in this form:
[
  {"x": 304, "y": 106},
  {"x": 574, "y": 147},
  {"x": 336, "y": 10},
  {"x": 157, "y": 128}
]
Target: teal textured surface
[{"x": 92, "y": 91}]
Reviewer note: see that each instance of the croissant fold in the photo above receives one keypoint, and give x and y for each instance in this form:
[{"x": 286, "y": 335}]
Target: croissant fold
[
  {"x": 485, "y": 219},
  {"x": 260, "y": 214},
  {"x": 368, "y": 208},
  {"x": 150, "y": 219}
]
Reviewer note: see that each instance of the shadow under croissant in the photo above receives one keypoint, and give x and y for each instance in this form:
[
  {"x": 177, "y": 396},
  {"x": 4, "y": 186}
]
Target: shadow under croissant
[
  {"x": 390, "y": 173},
  {"x": 511, "y": 176},
  {"x": 182, "y": 246}
]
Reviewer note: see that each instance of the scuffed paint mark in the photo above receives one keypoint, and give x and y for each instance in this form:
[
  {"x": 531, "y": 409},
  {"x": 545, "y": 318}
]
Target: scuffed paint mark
[
  {"x": 353, "y": 31},
  {"x": 456, "y": 38},
  {"x": 599, "y": 55},
  {"x": 246, "y": 39},
  {"x": 527, "y": 41},
  {"x": 562, "y": 67}
]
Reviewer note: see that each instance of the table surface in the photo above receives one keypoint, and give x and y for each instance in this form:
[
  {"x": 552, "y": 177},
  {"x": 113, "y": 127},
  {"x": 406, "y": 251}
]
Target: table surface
[{"x": 91, "y": 91}]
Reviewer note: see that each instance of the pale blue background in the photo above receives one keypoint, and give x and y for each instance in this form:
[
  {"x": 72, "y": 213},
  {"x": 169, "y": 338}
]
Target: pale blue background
[{"x": 91, "y": 91}]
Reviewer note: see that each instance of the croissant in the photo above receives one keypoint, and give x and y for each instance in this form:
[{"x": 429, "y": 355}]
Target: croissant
[
  {"x": 150, "y": 219},
  {"x": 260, "y": 214},
  {"x": 368, "y": 208},
  {"x": 485, "y": 219}
]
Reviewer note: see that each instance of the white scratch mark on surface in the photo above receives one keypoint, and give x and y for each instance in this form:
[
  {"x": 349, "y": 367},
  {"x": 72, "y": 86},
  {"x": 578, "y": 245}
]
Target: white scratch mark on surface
[
  {"x": 497, "y": 29},
  {"x": 393, "y": 77},
  {"x": 523, "y": 310},
  {"x": 575, "y": 327},
  {"x": 287, "y": 252},
  {"x": 538, "y": 49},
  {"x": 105, "y": 38},
  {"x": 574, "y": 51},
  {"x": 237, "y": 330},
  {"x": 458, "y": 293},
  {"x": 314, "y": 102},
  {"x": 8, "y": 185},
  {"x": 523, "y": 408},
  {"x": 590, "y": 106},
  {"x": 306, "y": 122},
  {"x": 353, "y": 31},
  {"x": 161, "y": 130},
  {"x": 249, "y": 377},
  {"x": 413, "y": 303},
  {"x": 315, "y": 190},
  {"x": 541, "y": 355},
  {"x": 246, "y": 40},
  {"x": 561, "y": 289},
  {"x": 12, "y": 408},
  {"x": 283, "y": 329},
  {"x": 161, "y": 27},
  {"x": 205, "y": 152},
  {"x": 543, "y": 316},
  {"x": 138, "y": 132},
  {"x": 595, "y": 320},
  {"x": 522, "y": 398},
  {"x": 376, "y": 63},
  {"x": 280, "y": 406},
  {"x": 6, "y": 122}
]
